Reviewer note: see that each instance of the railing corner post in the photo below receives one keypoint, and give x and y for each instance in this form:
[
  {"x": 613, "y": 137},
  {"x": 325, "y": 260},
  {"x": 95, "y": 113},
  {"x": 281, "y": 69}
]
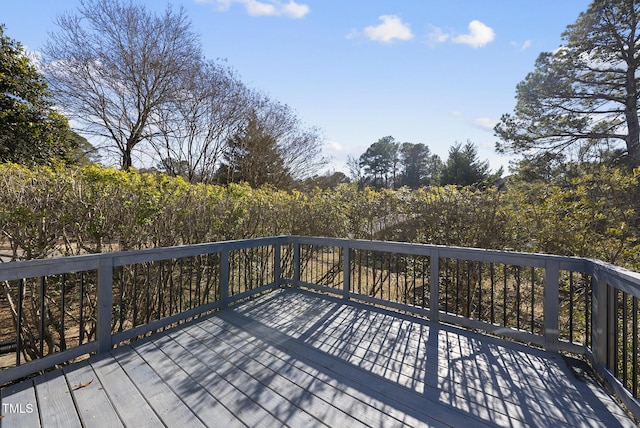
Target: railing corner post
[
  {"x": 551, "y": 305},
  {"x": 105, "y": 304}
]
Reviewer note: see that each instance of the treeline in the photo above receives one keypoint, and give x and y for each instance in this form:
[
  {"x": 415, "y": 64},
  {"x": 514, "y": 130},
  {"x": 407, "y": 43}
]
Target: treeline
[
  {"x": 388, "y": 163},
  {"x": 46, "y": 211}
]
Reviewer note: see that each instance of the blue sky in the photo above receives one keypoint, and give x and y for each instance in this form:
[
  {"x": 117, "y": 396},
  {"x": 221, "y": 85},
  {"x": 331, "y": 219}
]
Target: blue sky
[{"x": 422, "y": 71}]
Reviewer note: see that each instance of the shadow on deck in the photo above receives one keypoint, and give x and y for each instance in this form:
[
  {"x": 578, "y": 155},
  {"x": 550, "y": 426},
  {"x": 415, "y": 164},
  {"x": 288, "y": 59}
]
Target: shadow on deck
[{"x": 300, "y": 359}]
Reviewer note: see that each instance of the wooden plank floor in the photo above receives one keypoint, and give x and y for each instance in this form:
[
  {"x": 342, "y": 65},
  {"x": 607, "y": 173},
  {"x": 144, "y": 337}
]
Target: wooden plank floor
[{"x": 295, "y": 358}]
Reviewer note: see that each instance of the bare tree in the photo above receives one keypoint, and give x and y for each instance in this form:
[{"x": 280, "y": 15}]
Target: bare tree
[
  {"x": 196, "y": 124},
  {"x": 113, "y": 65},
  {"x": 299, "y": 146}
]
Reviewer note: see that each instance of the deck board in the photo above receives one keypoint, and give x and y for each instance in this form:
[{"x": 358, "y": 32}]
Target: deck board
[
  {"x": 299, "y": 359},
  {"x": 131, "y": 406},
  {"x": 55, "y": 404},
  {"x": 93, "y": 404}
]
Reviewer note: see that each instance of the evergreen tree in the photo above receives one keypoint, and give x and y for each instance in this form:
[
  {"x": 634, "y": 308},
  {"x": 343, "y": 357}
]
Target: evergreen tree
[
  {"x": 31, "y": 131},
  {"x": 253, "y": 156},
  {"x": 463, "y": 168},
  {"x": 585, "y": 94}
]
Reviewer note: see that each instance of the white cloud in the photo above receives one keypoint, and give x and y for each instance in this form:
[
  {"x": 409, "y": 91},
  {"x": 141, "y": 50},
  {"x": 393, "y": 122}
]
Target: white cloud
[
  {"x": 485, "y": 123},
  {"x": 436, "y": 36},
  {"x": 264, "y": 8},
  {"x": 478, "y": 36},
  {"x": 392, "y": 28},
  {"x": 333, "y": 146},
  {"x": 522, "y": 46}
]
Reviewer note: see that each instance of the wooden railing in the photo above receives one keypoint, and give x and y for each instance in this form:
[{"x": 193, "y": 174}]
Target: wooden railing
[{"x": 64, "y": 308}]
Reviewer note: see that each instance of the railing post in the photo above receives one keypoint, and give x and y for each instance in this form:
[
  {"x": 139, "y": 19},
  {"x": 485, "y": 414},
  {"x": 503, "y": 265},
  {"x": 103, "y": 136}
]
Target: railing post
[
  {"x": 551, "y": 299},
  {"x": 434, "y": 285},
  {"x": 346, "y": 271},
  {"x": 277, "y": 269},
  {"x": 105, "y": 304},
  {"x": 296, "y": 263},
  {"x": 224, "y": 278},
  {"x": 611, "y": 326},
  {"x": 599, "y": 321}
]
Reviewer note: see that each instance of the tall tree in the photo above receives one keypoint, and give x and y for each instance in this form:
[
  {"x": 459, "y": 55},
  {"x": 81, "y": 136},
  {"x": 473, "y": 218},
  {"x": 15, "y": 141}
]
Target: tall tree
[
  {"x": 418, "y": 166},
  {"x": 195, "y": 126},
  {"x": 31, "y": 131},
  {"x": 380, "y": 162},
  {"x": 463, "y": 168},
  {"x": 253, "y": 156},
  {"x": 114, "y": 64},
  {"x": 586, "y": 92}
]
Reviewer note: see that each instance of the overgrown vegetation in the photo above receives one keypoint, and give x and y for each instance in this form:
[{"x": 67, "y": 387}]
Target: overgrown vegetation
[{"x": 47, "y": 211}]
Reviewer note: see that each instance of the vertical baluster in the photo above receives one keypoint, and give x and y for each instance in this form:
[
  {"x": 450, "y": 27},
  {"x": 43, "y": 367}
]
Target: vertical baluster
[
  {"x": 121, "y": 305},
  {"x": 172, "y": 291},
  {"x": 414, "y": 278},
  {"x": 469, "y": 264},
  {"x": 446, "y": 285},
  {"x": 359, "y": 261},
  {"x": 588, "y": 284},
  {"x": 492, "y": 274},
  {"x": 635, "y": 332},
  {"x": 160, "y": 287},
  {"x": 398, "y": 263},
  {"x": 389, "y": 261},
  {"x": 457, "y": 287},
  {"x": 134, "y": 298},
  {"x": 19, "y": 323},
  {"x": 504, "y": 296},
  {"x": 518, "y": 300},
  {"x": 625, "y": 339},
  {"x": 245, "y": 256},
  {"x": 571, "y": 291},
  {"x": 613, "y": 328},
  {"x": 533, "y": 300},
  {"x": 148, "y": 292},
  {"x": 424, "y": 280},
  {"x": 191, "y": 282},
  {"x": 81, "y": 315},
  {"x": 180, "y": 283},
  {"x": 480, "y": 291},
  {"x": 63, "y": 335},
  {"x": 42, "y": 309}
]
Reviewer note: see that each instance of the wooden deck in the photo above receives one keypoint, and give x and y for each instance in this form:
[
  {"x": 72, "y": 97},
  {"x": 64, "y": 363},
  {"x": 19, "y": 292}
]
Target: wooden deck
[{"x": 295, "y": 358}]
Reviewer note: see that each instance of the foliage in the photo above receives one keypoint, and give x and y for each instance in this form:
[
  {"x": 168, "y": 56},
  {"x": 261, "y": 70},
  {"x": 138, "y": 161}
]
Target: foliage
[
  {"x": 463, "y": 168},
  {"x": 47, "y": 211},
  {"x": 380, "y": 162},
  {"x": 31, "y": 131},
  {"x": 418, "y": 166},
  {"x": 253, "y": 156},
  {"x": 584, "y": 96}
]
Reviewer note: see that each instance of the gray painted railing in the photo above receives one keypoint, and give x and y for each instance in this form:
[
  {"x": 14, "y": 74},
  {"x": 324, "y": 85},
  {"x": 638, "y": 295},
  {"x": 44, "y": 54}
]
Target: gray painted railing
[{"x": 569, "y": 304}]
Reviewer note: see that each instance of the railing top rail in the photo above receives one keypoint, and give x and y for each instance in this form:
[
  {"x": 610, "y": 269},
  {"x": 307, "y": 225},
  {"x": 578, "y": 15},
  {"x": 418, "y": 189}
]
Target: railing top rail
[
  {"x": 58, "y": 265},
  {"x": 620, "y": 278},
  {"x": 577, "y": 264}
]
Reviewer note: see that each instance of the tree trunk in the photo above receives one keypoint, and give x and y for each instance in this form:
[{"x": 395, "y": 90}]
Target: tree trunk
[
  {"x": 126, "y": 160},
  {"x": 631, "y": 115}
]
